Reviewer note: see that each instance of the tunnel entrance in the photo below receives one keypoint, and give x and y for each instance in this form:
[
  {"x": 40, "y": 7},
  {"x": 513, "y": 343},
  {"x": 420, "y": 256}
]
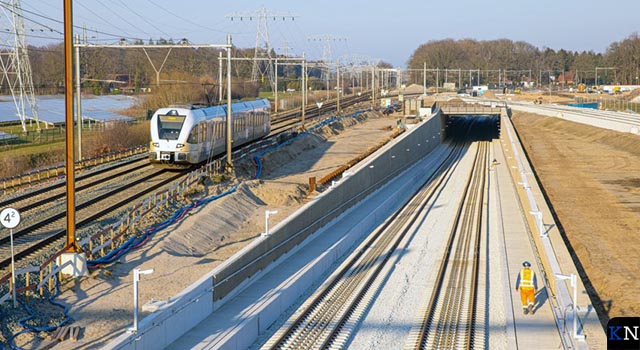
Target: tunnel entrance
[
  {"x": 471, "y": 127},
  {"x": 476, "y": 121}
]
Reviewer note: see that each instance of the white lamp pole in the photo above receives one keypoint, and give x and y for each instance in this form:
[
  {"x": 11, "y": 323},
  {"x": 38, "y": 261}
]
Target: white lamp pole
[
  {"x": 574, "y": 284},
  {"x": 266, "y": 220},
  {"x": 136, "y": 279}
]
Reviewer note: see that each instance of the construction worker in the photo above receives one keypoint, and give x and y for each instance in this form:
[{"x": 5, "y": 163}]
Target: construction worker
[{"x": 527, "y": 283}]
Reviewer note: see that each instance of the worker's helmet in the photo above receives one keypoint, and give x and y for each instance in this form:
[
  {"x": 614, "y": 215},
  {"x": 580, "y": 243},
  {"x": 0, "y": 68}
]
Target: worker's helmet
[{"x": 526, "y": 264}]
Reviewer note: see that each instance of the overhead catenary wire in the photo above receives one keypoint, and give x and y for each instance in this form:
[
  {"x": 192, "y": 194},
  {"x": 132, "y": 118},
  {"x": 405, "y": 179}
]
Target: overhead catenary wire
[
  {"x": 110, "y": 9},
  {"x": 143, "y": 18},
  {"x": 173, "y": 13},
  {"x": 10, "y": 8},
  {"x": 128, "y": 36}
]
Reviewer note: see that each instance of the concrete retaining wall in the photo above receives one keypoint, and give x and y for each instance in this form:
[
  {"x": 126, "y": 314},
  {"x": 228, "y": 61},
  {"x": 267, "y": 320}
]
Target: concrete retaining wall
[{"x": 196, "y": 302}]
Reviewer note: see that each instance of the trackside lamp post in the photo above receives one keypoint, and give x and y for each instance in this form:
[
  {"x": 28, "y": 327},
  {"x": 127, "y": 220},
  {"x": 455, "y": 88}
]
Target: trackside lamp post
[
  {"x": 266, "y": 220},
  {"x": 574, "y": 284},
  {"x": 136, "y": 279}
]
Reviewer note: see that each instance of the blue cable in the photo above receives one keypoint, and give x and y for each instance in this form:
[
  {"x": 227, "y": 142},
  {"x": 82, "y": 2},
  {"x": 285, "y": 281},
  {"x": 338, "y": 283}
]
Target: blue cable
[
  {"x": 32, "y": 315},
  {"x": 115, "y": 254}
]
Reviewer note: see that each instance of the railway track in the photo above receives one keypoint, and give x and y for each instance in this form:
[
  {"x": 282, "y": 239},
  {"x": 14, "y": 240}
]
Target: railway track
[
  {"x": 292, "y": 119},
  {"x": 448, "y": 321},
  {"x": 327, "y": 319},
  {"x": 50, "y": 230},
  {"x": 26, "y": 201}
]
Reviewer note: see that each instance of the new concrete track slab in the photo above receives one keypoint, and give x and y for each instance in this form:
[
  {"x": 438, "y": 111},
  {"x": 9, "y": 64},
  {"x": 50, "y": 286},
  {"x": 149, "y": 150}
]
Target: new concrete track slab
[
  {"x": 501, "y": 323},
  {"x": 408, "y": 280},
  {"x": 239, "y": 322}
]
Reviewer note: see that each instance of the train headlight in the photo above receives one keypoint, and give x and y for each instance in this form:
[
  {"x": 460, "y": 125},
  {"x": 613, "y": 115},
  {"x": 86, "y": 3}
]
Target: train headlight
[
  {"x": 180, "y": 145},
  {"x": 156, "y": 144}
]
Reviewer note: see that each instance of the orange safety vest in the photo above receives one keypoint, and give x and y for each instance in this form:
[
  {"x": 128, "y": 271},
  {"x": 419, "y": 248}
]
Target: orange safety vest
[{"x": 526, "y": 278}]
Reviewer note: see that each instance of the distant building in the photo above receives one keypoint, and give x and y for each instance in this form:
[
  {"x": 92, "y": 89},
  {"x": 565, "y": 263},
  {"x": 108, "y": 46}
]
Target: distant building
[{"x": 565, "y": 78}]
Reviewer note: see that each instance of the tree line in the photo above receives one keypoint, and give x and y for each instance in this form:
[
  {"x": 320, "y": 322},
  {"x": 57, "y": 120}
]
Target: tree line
[
  {"x": 136, "y": 68},
  {"x": 198, "y": 68},
  {"x": 505, "y": 54}
]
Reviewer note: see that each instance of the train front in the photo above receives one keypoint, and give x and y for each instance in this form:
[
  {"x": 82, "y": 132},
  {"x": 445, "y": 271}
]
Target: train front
[{"x": 170, "y": 129}]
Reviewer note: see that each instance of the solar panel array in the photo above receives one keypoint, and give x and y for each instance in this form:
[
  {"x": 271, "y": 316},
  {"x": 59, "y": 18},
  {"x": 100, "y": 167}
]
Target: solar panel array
[
  {"x": 51, "y": 108},
  {"x": 5, "y": 137}
]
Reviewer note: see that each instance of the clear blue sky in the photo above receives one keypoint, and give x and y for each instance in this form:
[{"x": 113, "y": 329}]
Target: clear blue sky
[{"x": 385, "y": 30}]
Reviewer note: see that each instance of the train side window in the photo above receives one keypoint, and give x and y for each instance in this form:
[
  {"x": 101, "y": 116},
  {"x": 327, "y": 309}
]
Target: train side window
[{"x": 193, "y": 135}]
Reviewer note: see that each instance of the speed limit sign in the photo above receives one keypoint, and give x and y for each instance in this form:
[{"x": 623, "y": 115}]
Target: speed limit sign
[{"x": 9, "y": 217}]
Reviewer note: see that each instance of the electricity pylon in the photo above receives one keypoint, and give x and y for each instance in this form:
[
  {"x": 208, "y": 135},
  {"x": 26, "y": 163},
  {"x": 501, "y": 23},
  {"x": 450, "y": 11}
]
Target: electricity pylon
[
  {"x": 259, "y": 71},
  {"x": 14, "y": 63},
  {"x": 326, "y": 45},
  {"x": 326, "y": 52}
]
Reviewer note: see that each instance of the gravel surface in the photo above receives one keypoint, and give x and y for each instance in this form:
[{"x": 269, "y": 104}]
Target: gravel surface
[{"x": 410, "y": 277}]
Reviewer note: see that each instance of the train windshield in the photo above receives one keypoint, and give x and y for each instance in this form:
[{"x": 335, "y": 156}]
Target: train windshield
[{"x": 169, "y": 126}]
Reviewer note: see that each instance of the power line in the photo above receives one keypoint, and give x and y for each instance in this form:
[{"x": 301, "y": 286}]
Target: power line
[
  {"x": 6, "y": 6},
  {"x": 144, "y": 19},
  {"x": 122, "y": 18},
  {"x": 172, "y": 13},
  {"x": 127, "y": 36}
]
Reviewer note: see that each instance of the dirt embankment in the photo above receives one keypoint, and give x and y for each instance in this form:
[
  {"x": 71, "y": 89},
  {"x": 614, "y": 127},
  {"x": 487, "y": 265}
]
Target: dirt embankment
[{"x": 591, "y": 177}]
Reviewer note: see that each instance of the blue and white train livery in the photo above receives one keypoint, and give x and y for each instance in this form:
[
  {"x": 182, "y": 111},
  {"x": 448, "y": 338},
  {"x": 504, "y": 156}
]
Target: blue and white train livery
[{"x": 182, "y": 136}]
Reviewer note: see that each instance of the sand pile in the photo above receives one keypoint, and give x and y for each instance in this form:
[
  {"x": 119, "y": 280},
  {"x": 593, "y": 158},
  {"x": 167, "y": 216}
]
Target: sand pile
[
  {"x": 202, "y": 236},
  {"x": 413, "y": 89},
  {"x": 489, "y": 94},
  {"x": 633, "y": 96}
]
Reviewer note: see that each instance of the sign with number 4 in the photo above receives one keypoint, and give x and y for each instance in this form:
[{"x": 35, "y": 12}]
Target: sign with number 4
[{"x": 9, "y": 217}]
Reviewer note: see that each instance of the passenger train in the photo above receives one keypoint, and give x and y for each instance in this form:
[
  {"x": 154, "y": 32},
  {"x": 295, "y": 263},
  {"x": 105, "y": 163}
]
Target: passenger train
[{"x": 183, "y": 136}]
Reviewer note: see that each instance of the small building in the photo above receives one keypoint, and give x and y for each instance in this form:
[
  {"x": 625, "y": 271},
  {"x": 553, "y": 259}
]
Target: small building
[{"x": 565, "y": 78}]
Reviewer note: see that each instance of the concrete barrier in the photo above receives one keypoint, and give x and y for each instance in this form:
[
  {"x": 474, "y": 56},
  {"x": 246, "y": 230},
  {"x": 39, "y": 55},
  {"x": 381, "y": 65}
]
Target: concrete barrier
[{"x": 213, "y": 290}]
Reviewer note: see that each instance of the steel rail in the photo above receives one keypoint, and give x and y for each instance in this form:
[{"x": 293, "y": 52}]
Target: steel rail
[
  {"x": 59, "y": 234},
  {"x": 324, "y": 315}
]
